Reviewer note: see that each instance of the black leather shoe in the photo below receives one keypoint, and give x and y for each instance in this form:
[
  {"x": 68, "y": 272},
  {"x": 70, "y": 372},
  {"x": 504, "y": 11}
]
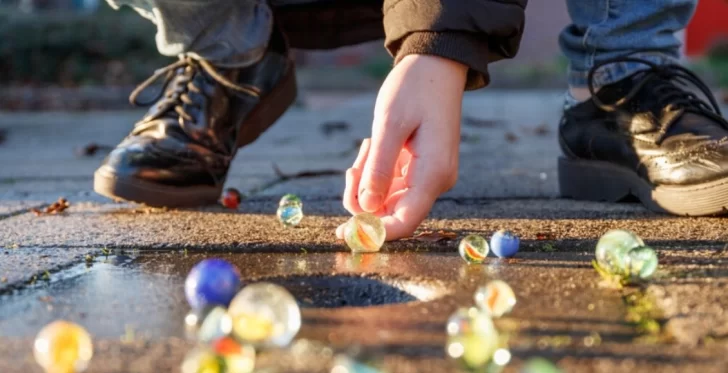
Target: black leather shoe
[
  {"x": 647, "y": 137},
  {"x": 180, "y": 152}
]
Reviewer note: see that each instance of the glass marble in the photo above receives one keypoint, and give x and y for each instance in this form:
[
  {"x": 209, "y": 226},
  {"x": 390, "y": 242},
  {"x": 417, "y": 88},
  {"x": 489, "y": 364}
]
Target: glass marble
[
  {"x": 345, "y": 364},
  {"x": 504, "y": 244},
  {"x": 470, "y": 320},
  {"x": 217, "y": 324},
  {"x": 364, "y": 233},
  {"x": 642, "y": 262},
  {"x": 211, "y": 282},
  {"x": 496, "y": 298},
  {"x": 612, "y": 249},
  {"x": 290, "y": 215},
  {"x": 225, "y": 356},
  {"x": 193, "y": 321},
  {"x": 290, "y": 200},
  {"x": 63, "y": 347},
  {"x": 265, "y": 315},
  {"x": 231, "y": 198},
  {"x": 473, "y": 249},
  {"x": 540, "y": 365},
  {"x": 502, "y": 357},
  {"x": 472, "y": 338}
]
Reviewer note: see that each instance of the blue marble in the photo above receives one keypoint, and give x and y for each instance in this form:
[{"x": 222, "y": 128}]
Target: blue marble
[
  {"x": 212, "y": 282},
  {"x": 504, "y": 244}
]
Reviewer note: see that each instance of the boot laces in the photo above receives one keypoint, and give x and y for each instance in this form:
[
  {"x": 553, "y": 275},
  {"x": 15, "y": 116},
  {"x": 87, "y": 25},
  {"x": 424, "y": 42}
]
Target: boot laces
[
  {"x": 185, "y": 69},
  {"x": 665, "y": 90}
]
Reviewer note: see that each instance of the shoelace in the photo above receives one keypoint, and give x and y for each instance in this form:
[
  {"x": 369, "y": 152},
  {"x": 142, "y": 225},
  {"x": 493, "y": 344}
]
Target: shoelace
[
  {"x": 666, "y": 92},
  {"x": 185, "y": 85}
]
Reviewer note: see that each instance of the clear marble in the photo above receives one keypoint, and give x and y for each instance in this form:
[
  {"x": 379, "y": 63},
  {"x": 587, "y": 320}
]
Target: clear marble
[
  {"x": 469, "y": 320},
  {"x": 265, "y": 315},
  {"x": 346, "y": 364},
  {"x": 540, "y": 365},
  {"x": 473, "y": 249},
  {"x": 290, "y": 215},
  {"x": 290, "y": 200},
  {"x": 495, "y": 298},
  {"x": 217, "y": 324},
  {"x": 63, "y": 347},
  {"x": 472, "y": 338},
  {"x": 224, "y": 356},
  {"x": 473, "y": 350},
  {"x": 642, "y": 262},
  {"x": 612, "y": 249},
  {"x": 364, "y": 233}
]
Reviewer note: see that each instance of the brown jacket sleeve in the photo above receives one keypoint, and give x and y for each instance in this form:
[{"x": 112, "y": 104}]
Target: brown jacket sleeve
[{"x": 473, "y": 32}]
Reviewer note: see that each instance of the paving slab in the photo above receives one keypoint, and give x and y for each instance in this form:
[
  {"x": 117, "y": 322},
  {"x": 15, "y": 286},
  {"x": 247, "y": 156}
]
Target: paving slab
[
  {"x": 88, "y": 224},
  {"x": 499, "y": 168},
  {"x": 507, "y": 179}
]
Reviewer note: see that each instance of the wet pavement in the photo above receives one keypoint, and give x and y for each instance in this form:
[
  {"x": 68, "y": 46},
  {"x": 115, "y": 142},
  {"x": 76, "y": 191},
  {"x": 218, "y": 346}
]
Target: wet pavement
[{"x": 119, "y": 269}]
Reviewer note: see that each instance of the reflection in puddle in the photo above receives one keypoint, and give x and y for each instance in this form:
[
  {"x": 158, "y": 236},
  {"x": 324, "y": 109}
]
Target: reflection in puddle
[
  {"x": 145, "y": 292},
  {"x": 107, "y": 298}
]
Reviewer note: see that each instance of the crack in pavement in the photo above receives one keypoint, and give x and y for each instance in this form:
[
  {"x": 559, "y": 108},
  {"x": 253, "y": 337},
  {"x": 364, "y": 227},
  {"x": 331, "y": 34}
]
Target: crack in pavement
[{"x": 22, "y": 211}]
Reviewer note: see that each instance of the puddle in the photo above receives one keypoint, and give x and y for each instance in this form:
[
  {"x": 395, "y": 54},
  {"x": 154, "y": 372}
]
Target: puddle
[
  {"x": 145, "y": 293},
  {"x": 106, "y": 298}
]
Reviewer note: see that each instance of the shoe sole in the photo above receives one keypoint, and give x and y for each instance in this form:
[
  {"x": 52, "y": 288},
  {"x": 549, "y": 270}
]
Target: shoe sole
[
  {"x": 602, "y": 181},
  {"x": 271, "y": 107}
]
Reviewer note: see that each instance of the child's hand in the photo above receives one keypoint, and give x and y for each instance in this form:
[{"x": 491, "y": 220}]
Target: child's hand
[{"x": 412, "y": 156}]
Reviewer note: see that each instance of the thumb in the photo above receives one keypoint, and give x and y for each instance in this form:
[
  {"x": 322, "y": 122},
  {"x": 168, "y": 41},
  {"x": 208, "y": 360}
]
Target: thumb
[{"x": 387, "y": 142}]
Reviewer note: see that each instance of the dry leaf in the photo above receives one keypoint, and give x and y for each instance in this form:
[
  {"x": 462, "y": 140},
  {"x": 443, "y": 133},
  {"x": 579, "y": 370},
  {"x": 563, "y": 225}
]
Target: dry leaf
[
  {"x": 542, "y": 129},
  {"x": 55, "y": 208},
  {"x": 511, "y": 137},
  {"x": 430, "y": 236},
  {"x": 545, "y": 236}
]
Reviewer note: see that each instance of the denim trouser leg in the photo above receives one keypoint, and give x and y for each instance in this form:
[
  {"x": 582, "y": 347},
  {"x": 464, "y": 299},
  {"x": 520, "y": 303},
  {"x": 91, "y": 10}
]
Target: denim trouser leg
[
  {"x": 604, "y": 29},
  {"x": 227, "y": 33}
]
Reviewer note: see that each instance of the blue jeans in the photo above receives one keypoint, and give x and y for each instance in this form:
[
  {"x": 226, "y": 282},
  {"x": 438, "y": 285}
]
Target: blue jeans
[
  {"x": 605, "y": 29},
  {"x": 227, "y": 33}
]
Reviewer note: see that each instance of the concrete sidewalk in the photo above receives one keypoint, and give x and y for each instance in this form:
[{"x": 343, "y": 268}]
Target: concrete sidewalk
[{"x": 507, "y": 179}]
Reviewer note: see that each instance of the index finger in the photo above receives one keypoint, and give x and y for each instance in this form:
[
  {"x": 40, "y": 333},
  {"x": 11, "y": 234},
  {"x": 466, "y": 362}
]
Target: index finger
[{"x": 410, "y": 206}]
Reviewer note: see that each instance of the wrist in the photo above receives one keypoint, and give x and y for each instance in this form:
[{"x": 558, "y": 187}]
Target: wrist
[
  {"x": 440, "y": 68},
  {"x": 436, "y": 61}
]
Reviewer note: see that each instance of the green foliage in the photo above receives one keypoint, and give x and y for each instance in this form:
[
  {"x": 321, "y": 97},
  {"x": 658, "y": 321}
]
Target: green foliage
[
  {"x": 378, "y": 68},
  {"x": 75, "y": 49},
  {"x": 717, "y": 61}
]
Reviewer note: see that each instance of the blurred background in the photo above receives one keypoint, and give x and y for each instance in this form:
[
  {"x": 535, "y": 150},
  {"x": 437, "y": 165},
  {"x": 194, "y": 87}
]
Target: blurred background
[{"x": 82, "y": 55}]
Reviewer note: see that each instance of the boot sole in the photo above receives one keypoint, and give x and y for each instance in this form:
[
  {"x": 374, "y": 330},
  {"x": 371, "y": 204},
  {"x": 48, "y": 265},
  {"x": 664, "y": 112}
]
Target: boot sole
[
  {"x": 602, "y": 181},
  {"x": 128, "y": 188}
]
